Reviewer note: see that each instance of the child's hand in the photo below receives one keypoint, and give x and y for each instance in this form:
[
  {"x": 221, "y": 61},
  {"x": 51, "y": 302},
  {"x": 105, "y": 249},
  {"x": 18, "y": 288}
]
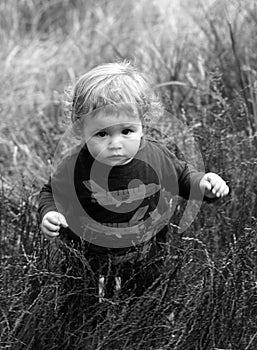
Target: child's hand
[
  {"x": 212, "y": 185},
  {"x": 51, "y": 223}
]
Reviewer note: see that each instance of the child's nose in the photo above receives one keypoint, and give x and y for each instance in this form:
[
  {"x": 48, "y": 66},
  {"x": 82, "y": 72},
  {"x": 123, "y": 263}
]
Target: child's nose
[{"x": 115, "y": 142}]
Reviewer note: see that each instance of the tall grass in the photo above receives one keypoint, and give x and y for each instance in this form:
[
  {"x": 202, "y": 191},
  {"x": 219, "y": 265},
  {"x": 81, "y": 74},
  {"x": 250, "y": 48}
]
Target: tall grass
[{"x": 203, "y": 63}]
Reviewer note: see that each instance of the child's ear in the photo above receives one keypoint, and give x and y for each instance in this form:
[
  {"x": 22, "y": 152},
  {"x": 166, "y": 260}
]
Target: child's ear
[
  {"x": 142, "y": 141},
  {"x": 144, "y": 129},
  {"x": 77, "y": 129},
  {"x": 145, "y": 124}
]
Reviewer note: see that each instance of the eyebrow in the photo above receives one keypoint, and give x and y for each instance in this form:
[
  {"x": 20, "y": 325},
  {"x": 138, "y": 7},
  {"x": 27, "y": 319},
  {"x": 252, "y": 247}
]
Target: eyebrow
[{"x": 123, "y": 125}]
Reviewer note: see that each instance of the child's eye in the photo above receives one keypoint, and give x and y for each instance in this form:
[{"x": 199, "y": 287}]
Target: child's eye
[
  {"x": 127, "y": 131},
  {"x": 101, "y": 134}
]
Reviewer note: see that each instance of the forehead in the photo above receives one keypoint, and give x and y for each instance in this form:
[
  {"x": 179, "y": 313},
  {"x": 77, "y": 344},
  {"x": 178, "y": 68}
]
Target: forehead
[{"x": 101, "y": 119}]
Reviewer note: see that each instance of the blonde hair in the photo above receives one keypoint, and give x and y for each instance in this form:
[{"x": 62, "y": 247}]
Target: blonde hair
[{"x": 112, "y": 84}]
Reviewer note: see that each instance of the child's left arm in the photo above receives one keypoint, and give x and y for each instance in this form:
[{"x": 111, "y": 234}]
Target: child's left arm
[{"x": 212, "y": 186}]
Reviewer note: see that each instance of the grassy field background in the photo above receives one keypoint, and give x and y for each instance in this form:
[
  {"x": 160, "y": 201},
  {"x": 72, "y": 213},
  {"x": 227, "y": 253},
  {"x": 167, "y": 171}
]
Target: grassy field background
[{"x": 202, "y": 58}]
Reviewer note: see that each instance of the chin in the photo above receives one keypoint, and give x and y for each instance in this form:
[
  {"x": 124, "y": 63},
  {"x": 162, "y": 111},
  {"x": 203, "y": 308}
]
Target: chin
[{"x": 115, "y": 162}]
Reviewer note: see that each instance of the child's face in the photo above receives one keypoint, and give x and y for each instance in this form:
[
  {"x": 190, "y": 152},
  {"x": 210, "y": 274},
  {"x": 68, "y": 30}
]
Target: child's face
[{"x": 113, "y": 140}]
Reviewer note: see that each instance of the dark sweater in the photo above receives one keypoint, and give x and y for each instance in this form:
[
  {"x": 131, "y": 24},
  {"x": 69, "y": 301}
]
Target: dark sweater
[{"x": 122, "y": 206}]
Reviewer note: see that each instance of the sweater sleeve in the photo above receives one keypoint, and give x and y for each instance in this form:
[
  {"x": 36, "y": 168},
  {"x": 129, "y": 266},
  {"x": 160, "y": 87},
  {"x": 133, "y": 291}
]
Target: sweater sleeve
[
  {"x": 46, "y": 200},
  {"x": 188, "y": 180},
  {"x": 59, "y": 192},
  {"x": 50, "y": 193},
  {"x": 180, "y": 177}
]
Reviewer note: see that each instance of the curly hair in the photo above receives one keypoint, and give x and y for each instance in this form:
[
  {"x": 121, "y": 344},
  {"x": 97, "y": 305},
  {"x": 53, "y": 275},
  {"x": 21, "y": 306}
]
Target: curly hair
[{"x": 114, "y": 84}]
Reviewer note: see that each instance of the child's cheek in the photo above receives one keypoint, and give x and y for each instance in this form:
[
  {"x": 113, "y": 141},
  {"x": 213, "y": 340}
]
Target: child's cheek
[{"x": 96, "y": 148}]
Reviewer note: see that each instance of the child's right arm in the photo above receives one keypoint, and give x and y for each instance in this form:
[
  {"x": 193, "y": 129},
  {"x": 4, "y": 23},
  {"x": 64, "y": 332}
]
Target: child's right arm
[{"x": 51, "y": 219}]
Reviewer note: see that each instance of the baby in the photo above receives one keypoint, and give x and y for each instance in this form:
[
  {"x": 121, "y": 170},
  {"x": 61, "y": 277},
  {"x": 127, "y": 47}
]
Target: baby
[{"x": 112, "y": 194}]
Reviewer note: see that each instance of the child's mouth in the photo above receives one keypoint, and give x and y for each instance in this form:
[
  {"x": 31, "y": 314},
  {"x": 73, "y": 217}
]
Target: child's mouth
[{"x": 117, "y": 156}]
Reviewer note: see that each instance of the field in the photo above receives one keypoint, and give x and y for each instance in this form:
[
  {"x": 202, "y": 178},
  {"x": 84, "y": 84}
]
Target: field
[{"x": 203, "y": 61}]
